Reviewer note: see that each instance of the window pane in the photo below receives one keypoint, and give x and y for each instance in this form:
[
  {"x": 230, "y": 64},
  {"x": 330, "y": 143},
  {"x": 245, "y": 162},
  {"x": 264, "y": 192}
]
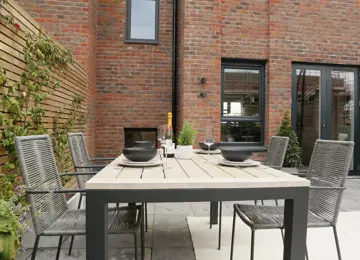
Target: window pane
[
  {"x": 143, "y": 19},
  {"x": 308, "y": 110},
  {"x": 241, "y": 131},
  {"x": 241, "y": 92}
]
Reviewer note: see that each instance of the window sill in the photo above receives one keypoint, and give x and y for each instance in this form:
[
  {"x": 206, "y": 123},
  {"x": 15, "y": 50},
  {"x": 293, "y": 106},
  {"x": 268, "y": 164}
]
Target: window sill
[{"x": 154, "y": 42}]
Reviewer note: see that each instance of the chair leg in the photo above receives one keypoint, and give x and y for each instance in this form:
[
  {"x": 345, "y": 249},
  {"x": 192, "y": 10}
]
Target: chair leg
[
  {"x": 255, "y": 202},
  {"x": 220, "y": 217},
  {"x": 72, "y": 237},
  {"x": 59, "y": 248},
  {"x": 233, "y": 236},
  {"x": 146, "y": 218},
  {"x": 136, "y": 244},
  {"x": 337, "y": 242},
  {"x": 252, "y": 244},
  {"x": 142, "y": 237},
  {"x": 36, "y": 244},
  {"x": 80, "y": 200},
  {"x": 71, "y": 245},
  {"x": 210, "y": 215},
  {"x": 262, "y": 202},
  {"x": 276, "y": 203}
]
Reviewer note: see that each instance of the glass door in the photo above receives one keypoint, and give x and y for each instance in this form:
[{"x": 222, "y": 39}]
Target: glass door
[
  {"x": 341, "y": 113},
  {"x": 325, "y": 105},
  {"x": 307, "y": 116}
]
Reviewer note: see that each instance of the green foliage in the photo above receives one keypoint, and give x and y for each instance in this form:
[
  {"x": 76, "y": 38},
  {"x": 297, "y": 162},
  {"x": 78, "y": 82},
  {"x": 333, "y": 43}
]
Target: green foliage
[
  {"x": 9, "y": 232},
  {"x": 60, "y": 131},
  {"x": 24, "y": 100},
  {"x": 13, "y": 223},
  {"x": 293, "y": 153},
  {"x": 187, "y": 134},
  {"x": 8, "y": 246}
]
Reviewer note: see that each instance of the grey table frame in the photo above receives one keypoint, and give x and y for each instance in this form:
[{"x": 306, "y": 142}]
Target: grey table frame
[{"x": 296, "y": 211}]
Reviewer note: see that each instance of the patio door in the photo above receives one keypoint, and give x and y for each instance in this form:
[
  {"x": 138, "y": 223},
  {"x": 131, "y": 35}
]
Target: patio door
[{"x": 326, "y": 107}]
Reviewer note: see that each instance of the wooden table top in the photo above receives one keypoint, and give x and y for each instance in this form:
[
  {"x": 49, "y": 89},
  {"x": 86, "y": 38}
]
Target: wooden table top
[{"x": 201, "y": 172}]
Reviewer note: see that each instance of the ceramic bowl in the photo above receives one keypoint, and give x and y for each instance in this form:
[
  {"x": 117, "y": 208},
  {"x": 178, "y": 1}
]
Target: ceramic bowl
[
  {"x": 213, "y": 147},
  {"x": 236, "y": 154},
  {"x": 137, "y": 154},
  {"x": 144, "y": 144}
]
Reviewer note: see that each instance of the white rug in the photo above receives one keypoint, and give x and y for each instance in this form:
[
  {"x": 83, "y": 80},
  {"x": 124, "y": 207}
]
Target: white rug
[{"x": 268, "y": 243}]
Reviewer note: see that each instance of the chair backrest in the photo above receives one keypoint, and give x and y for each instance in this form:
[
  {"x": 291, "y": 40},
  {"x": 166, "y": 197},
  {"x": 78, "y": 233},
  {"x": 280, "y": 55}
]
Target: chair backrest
[
  {"x": 39, "y": 171},
  {"x": 329, "y": 167},
  {"x": 277, "y": 150},
  {"x": 80, "y": 157}
]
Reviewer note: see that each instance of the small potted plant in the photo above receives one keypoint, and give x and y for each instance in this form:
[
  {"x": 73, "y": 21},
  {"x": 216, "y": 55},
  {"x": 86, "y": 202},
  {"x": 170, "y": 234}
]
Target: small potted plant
[{"x": 184, "y": 149}]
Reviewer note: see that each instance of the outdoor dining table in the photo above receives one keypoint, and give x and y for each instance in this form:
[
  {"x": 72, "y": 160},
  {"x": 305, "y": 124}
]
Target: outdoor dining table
[{"x": 197, "y": 180}]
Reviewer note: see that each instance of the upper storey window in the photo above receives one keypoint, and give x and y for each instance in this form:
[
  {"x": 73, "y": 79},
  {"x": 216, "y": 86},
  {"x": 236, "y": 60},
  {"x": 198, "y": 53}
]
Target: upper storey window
[{"x": 142, "y": 21}]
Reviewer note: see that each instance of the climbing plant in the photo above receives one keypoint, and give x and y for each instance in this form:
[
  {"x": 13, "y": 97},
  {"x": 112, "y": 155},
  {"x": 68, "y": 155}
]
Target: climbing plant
[
  {"x": 23, "y": 102},
  {"x": 61, "y": 128}
]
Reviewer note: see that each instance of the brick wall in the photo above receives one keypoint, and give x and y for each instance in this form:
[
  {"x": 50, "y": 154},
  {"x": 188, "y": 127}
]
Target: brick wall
[
  {"x": 245, "y": 29},
  {"x": 307, "y": 31},
  {"x": 133, "y": 80},
  {"x": 280, "y": 32},
  {"x": 91, "y": 69},
  {"x": 201, "y": 57}
]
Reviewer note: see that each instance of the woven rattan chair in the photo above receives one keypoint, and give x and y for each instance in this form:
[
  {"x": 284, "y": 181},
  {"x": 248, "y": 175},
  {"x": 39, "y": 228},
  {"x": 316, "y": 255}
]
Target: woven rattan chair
[
  {"x": 274, "y": 158},
  {"x": 276, "y": 154},
  {"x": 328, "y": 169},
  {"x": 83, "y": 163},
  {"x": 50, "y": 213},
  {"x": 81, "y": 158}
]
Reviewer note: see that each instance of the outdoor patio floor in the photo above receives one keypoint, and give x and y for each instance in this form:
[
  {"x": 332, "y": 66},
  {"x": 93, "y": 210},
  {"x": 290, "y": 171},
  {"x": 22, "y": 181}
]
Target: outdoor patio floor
[{"x": 168, "y": 236}]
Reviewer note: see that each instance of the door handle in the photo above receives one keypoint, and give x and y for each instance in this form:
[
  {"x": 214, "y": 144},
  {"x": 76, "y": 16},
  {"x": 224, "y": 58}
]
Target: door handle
[{"x": 323, "y": 123}]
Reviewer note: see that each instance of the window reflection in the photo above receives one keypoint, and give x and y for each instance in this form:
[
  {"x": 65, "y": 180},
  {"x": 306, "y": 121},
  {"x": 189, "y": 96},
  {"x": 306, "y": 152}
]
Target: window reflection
[
  {"x": 241, "y": 131},
  {"x": 241, "y": 92}
]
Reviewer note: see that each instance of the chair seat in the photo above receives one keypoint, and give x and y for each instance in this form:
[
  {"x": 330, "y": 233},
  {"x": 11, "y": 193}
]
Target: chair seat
[
  {"x": 73, "y": 222},
  {"x": 271, "y": 217}
]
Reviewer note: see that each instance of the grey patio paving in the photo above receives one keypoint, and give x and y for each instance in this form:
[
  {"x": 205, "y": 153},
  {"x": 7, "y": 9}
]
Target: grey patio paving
[{"x": 168, "y": 236}]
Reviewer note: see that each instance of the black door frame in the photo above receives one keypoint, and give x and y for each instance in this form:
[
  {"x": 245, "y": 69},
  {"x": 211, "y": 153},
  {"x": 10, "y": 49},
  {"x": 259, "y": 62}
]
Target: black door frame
[{"x": 326, "y": 103}]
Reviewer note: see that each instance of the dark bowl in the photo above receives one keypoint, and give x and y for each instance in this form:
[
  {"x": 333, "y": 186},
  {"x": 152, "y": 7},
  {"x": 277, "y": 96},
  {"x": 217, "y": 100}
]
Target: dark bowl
[
  {"x": 144, "y": 144},
  {"x": 137, "y": 154},
  {"x": 213, "y": 147},
  {"x": 235, "y": 154}
]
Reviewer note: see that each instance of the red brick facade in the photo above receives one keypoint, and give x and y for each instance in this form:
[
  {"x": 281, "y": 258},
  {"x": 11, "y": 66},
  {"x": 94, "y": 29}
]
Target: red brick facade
[{"x": 133, "y": 81}]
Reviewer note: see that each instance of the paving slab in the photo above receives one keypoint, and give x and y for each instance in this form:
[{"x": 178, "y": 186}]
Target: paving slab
[
  {"x": 177, "y": 237},
  {"x": 173, "y": 253}
]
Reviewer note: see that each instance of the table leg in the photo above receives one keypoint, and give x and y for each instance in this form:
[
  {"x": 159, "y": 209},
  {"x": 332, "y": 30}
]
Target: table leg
[
  {"x": 96, "y": 227},
  {"x": 214, "y": 212},
  {"x": 295, "y": 221}
]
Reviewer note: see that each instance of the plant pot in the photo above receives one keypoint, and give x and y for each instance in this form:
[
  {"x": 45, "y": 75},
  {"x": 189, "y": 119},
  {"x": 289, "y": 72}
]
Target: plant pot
[{"x": 184, "y": 152}]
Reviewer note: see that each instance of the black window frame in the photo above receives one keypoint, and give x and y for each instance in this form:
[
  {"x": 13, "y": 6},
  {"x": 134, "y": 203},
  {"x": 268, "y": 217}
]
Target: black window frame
[
  {"x": 128, "y": 38},
  {"x": 241, "y": 64}
]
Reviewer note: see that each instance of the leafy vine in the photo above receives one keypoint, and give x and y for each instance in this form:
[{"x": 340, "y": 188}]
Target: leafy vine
[{"x": 23, "y": 102}]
